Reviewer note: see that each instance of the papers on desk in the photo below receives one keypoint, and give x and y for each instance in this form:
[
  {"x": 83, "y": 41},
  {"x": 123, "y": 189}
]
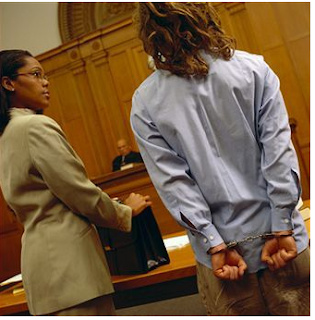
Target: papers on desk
[
  {"x": 127, "y": 166},
  {"x": 300, "y": 204},
  {"x": 176, "y": 242},
  {"x": 14, "y": 279},
  {"x": 306, "y": 213}
]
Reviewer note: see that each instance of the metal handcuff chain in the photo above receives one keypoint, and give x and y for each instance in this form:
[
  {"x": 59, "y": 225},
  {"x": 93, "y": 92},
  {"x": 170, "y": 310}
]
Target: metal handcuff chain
[{"x": 264, "y": 236}]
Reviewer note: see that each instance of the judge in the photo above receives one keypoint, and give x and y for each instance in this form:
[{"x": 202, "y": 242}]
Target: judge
[{"x": 126, "y": 155}]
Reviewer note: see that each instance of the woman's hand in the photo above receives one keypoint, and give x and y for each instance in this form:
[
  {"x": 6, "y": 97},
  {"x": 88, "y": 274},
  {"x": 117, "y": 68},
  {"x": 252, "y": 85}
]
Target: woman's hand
[{"x": 137, "y": 203}]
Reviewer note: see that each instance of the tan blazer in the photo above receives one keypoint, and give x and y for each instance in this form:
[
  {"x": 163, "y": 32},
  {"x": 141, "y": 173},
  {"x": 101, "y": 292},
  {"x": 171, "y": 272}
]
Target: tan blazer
[{"x": 45, "y": 183}]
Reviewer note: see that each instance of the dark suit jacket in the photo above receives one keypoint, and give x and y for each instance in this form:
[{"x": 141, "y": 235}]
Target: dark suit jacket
[{"x": 131, "y": 157}]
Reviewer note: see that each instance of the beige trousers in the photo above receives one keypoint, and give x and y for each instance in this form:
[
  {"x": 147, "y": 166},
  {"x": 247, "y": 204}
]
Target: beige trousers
[
  {"x": 282, "y": 292},
  {"x": 101, "y": 306}
]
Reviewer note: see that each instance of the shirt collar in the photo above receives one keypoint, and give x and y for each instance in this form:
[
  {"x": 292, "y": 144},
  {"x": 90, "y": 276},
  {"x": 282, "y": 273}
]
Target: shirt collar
[{"x": 14, "y": 112}]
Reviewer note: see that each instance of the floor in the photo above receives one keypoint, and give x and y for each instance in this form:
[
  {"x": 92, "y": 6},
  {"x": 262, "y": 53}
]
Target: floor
[{"x": 184, "y": 306}]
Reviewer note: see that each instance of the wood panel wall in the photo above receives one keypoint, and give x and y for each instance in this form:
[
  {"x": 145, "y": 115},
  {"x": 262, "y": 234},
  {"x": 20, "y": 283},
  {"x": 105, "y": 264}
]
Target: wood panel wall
[
  {"x": 92, "y": 82},
  {"x": 10, "y": 244},
  {"x": 93, "y": 79}
]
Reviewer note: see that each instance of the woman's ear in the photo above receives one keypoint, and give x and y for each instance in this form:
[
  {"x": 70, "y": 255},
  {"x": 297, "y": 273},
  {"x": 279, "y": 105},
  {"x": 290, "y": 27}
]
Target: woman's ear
[{"x": 7, "y": 83}]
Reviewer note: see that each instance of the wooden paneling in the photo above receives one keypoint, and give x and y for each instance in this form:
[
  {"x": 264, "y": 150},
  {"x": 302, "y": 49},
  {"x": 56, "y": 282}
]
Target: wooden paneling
[
  {"x": 236, "y": 22},
  {"x": 94, "y": 79},
  {"x": 301, "y": 61},
  {"x": 293, "y": 19},
  {"x": 10, "y": 242},
  {"x": 107, "y": 105}
]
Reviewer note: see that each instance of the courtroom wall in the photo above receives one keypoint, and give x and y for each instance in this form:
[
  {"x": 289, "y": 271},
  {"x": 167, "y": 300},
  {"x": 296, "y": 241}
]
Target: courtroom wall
[{"x": 29, "y": 25}]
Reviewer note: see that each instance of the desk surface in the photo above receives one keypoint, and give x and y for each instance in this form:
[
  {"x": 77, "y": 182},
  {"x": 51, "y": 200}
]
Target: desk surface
[{"x": 182, "y": 266}]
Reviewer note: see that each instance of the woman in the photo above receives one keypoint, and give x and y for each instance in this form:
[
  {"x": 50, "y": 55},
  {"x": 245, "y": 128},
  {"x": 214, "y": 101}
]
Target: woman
[
  {"x": 213, "y": 132},
  {"x": 44, "y": 181}
]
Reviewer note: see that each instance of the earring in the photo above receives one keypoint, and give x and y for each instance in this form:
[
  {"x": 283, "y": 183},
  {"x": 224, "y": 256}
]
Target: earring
[{"x": 12, "y": 89}]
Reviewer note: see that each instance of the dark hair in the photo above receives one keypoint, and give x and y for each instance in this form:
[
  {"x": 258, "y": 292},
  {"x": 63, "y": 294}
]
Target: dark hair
[
  {"x": 10, "y": 62},
  {"x": 174, "y": 33}
]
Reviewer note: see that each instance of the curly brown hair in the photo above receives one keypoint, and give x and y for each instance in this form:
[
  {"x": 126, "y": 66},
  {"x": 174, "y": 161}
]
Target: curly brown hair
[{"x": 174, "y": 33}]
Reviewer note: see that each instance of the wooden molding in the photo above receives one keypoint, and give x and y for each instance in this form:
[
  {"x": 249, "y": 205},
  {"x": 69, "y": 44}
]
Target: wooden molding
[{"x": 80, "y": 18}]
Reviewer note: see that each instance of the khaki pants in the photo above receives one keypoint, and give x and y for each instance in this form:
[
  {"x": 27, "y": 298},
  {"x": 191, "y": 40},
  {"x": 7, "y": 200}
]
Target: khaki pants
[
  {"x": 282, "y": 292},
  {"x": 101, "y": 306}
]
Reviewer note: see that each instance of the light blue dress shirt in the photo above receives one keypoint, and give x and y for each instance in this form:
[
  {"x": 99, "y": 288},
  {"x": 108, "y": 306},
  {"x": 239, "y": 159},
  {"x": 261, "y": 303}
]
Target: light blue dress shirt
[{"x": 218, "y": 150}]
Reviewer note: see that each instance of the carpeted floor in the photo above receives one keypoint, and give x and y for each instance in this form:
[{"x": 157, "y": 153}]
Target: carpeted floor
[{"x": 183, "y": 306}]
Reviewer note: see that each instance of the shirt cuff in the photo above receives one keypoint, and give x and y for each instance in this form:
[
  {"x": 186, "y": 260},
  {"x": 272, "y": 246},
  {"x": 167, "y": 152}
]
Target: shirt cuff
[
  {"x": 209, "y": 237},
  {"x": 281, "y": 220}
]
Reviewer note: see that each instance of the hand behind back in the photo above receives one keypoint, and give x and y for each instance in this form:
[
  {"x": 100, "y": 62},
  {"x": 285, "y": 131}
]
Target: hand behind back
[
  {"x": 228, "y": 265},
  {"x": 278, "y": 252}
]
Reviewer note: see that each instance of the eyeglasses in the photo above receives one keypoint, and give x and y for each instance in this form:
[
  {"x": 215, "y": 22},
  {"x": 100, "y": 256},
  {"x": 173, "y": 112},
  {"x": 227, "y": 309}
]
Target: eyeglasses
[{"x": 38, "y": 75}]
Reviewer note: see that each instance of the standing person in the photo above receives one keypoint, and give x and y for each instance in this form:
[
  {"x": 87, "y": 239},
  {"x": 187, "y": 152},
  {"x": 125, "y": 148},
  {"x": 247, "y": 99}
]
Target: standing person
[
  {"x": 45, "y": 183},
  {"x": 213, "y": 131},
  {"x": 126, "y": 155}
]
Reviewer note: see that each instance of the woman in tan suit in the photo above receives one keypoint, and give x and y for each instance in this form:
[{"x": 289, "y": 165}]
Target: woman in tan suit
[{"x": 45, "y": 183}]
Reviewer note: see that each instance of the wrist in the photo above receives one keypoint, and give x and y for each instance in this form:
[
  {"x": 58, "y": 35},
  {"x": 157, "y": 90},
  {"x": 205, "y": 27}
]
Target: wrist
[
  {"x": 218, "y": 249},
  {"x": 284, "y": 233}
]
